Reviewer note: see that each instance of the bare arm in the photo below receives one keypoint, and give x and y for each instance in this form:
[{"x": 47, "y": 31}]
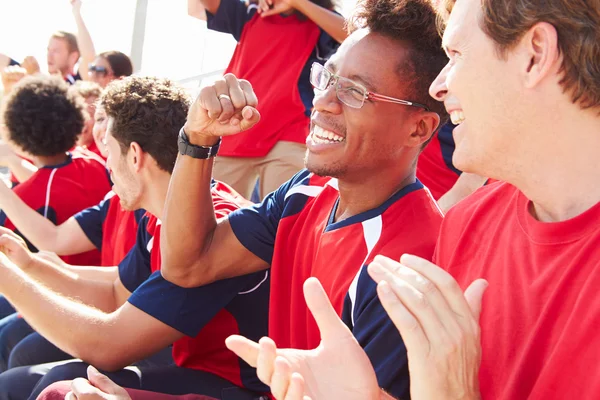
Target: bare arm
[
  {"x": 198, "y": 8},
  {"x": 5, "y": 60},
  {"x": 84, "y": 41},
  {"x": 331, "y": 22},
  {"x": 22, "y": 169},
  {"x": 81, "y": 330},
  {"x": 65, "y": 239},
  {"x": 465, "y": 185},
  {"x": 195, "y": 249}
]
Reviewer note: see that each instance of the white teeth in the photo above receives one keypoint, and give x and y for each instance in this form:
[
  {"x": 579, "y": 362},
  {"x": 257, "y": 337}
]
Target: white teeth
[
  {"x": 457, "y": 117},
  {"x": 322, "y": 136}
]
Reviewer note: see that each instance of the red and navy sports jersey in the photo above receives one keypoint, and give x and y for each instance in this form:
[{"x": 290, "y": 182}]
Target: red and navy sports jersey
[
  {"x": 435, "y": 168},
  {"x": 541, "y": 312},
  {"x": 110, "y": 228},
  {"x": 207, "y": 315},
  {"x": 60, "y": 191},
  {"x": 275, "y": 54},
  {"x": 294, "y": 230}
]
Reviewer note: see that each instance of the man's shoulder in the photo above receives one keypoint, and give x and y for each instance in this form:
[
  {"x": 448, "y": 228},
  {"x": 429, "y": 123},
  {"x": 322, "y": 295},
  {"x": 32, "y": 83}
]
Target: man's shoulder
[{"x": 485, "y": 200}]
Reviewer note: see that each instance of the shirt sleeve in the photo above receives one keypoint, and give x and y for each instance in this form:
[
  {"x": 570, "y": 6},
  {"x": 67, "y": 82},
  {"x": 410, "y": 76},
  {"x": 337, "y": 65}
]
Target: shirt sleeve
[
  {"x": 13, "y": 62},
  {"x": 256, "y": 226},
  {"x": 188, "y": 310},
  {"x": 378, "y": 336},
  {"x": 91, "y": 220},
  {"x": 135, "y": 267},
  {"x": 231, "y": 17},
  {"x": 2, "y": 218}
]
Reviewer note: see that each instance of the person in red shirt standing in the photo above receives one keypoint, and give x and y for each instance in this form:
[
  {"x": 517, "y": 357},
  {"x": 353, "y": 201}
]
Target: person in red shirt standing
[{"x": 276, "y": 48}]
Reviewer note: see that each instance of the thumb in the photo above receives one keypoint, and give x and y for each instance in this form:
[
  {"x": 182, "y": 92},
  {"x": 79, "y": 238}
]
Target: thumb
[
  {"x": 102, "y": 382},
  {"x": 330, "y": 325},
  {"x": 10, "y": 242},
  {"x": 250, "y": 117},
  {"x": 474, "y": 295},
  {"x": 246, "y": 349}
]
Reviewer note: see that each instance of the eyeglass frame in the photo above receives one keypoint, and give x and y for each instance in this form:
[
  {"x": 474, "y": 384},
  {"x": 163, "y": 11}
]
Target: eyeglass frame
[{"x": 368, "y": 95}]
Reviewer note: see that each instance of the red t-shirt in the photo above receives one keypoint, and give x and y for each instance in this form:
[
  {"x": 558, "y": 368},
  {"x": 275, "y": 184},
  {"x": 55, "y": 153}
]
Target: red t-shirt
[
  {"x": 271, "y": 54},
  {"x": 541, "y": 312},
  {"x": 58, "y": 192}
]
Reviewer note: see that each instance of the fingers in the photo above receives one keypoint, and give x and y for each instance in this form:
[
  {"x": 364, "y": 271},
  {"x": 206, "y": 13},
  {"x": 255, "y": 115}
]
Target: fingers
[
  {"x": 286, "y": 385},
  {"x": 226, "y": 100},
  {"x": 266, "y": 360},
  {"x": 409, "y": 327},
  {"x": 474, "y": 295},
  {"x": 210, "y": 102},
  {"x": 420, "y": 296},
  {"x": 70, "y": 396},
  {"x": 81, "y": 387},
  {"x": 444, "y": 282},
  {"x": 102, "y": 382},
  {"x": 246, "y": 349},
  {"x": 330, "y": 325}
]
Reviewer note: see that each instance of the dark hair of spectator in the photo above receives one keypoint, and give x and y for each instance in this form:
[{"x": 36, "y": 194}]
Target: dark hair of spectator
[
  {"x": 147, "y": 111},
  {"x": 119, "y": 62},
  {"x": 69, "y": 38},
  {"x": 42, "y": 117},
  {"x": 413, "y": 23}
]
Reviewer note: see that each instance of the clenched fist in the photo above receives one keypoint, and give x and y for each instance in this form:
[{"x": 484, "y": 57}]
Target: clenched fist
[{"x": 226, "y": 108}]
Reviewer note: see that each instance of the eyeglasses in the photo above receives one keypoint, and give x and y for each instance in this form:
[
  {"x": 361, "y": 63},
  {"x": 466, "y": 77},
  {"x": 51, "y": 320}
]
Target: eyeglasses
[
  {"x": 349, "y": 92},
  {"x": 96, "y": 69}
]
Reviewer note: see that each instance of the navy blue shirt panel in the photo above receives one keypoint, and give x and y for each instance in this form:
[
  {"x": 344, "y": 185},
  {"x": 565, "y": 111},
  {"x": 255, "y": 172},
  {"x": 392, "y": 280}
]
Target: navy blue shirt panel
[
  {"x": 231, "y": 17},
  {"x": 91, "y": 221},
  {"x": 379, "y": 337},
  {"x": 135, "y": 267},
  {"x": 447, "y": 144},
  {"x": 256, "y": 226},
  {"x": 189, "y": 309},
  {"x": 14, "y": 62}
]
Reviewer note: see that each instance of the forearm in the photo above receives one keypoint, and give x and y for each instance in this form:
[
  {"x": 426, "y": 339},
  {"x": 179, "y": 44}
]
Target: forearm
[
  {"x": 465, "y": 185},
  {"x": 198, "y": 8},
  {"x": 86, "y": 45},
  {"x": 73, "y": 283},
  {"x": 332, "y": 23},
  {"x": 5, "y": 60},
  {"x": 21, "y": 168},
  {"x": 73, "y": 327},
  {"x": 37, "y": 229},
  {"x": 188, "y": 220}
]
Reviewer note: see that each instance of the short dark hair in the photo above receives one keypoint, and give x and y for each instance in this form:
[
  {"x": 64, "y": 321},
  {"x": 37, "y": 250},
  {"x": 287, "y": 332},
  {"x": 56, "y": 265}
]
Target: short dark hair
[
  {"x": 412, "y": 22},
  {"x": 119, "y": 62},
  {"x": 148, "y": 111},
  {"x": 68, "y": 37},
  {"x": 43, "y": 117}
]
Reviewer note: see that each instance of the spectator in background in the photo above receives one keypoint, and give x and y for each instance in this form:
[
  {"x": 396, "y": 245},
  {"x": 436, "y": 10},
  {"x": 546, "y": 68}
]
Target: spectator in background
[
  {"x": 299, "y": 33},
  {"x": 90, "y": 92},
  {"x": 43, "y": 121},
  {"x": 108, "y": 66}
]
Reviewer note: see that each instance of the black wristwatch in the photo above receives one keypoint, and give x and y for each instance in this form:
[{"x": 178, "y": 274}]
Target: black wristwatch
[{"x": 200, "y": 152}]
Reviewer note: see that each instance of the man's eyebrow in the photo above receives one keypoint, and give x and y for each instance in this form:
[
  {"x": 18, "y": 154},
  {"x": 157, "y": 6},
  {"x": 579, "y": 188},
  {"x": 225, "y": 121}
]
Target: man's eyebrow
[{"x": 365, "y": 81}]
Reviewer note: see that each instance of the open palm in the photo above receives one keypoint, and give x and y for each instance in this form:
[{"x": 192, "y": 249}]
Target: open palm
[{"x": 337, "y": 369}]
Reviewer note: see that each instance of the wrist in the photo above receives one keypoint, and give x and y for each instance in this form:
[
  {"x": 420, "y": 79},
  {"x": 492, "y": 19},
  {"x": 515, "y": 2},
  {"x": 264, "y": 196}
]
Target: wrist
[{"x": 199, "y": 138}]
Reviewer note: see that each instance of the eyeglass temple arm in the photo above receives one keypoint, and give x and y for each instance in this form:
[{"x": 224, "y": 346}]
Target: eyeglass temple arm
[{"x": 380, "y": 97}]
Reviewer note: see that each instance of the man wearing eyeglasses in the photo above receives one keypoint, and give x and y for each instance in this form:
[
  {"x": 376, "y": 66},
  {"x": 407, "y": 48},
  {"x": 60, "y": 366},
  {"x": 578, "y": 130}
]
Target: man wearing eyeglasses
[{"x": 357, "y": 197}]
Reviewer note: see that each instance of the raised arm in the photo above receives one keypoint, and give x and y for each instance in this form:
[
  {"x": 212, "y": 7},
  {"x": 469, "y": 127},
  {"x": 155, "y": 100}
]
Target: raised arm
[
  {"x": 21, "y": 168},
  {"x": 84, "y": 40},
  {"x": 331, "y": 22},
  {"x": 65, "y": 239},
  {"x": 198, "y": 8},
  {"x": 195, "y": 249}
]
